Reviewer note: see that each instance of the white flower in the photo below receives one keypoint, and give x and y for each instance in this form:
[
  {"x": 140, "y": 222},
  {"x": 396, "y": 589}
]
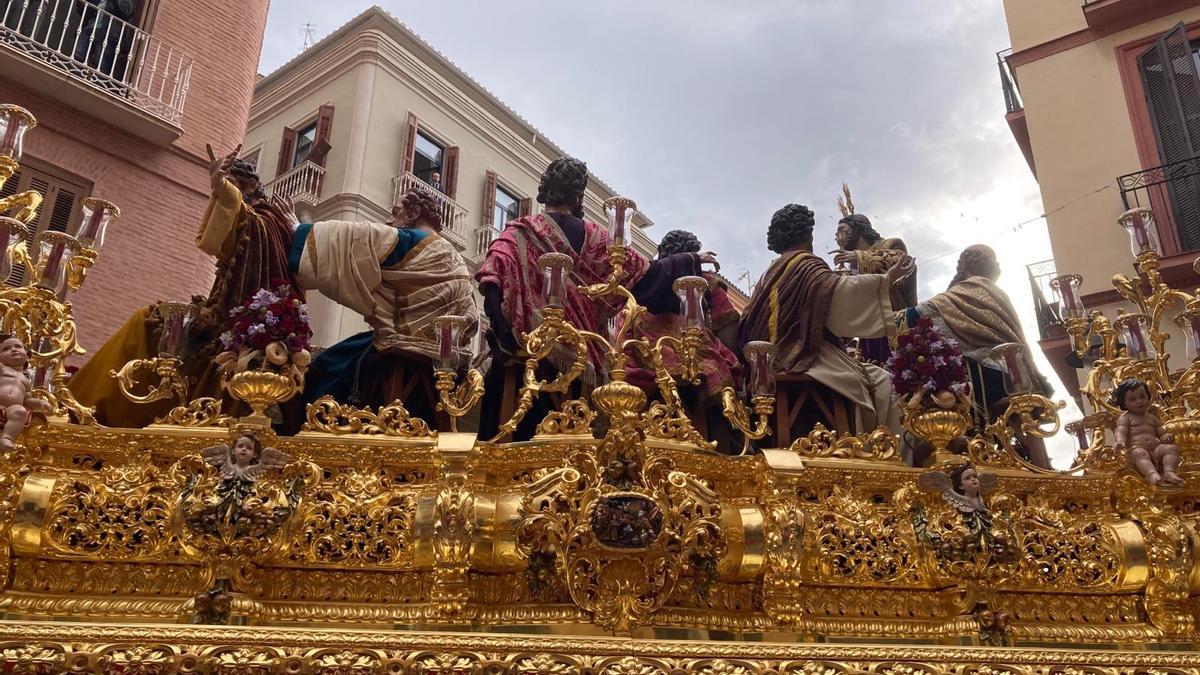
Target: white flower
[
  {"x": 270, "y": 319},
  {"x": 227, "y": 339}
]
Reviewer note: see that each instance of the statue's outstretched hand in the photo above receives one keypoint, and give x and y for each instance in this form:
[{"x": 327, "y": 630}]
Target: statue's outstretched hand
[
  {"x": 218, "y": 167},
  {"x": 710, "y": 258},
  {"x": 903, "y": 269},
  {"x": 286, "y": 208}
]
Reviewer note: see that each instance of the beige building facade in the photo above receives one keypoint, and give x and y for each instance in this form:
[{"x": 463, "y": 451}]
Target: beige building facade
[
  {"x": 372, "y": 110},
  {"x": 1102, "y": 99}
]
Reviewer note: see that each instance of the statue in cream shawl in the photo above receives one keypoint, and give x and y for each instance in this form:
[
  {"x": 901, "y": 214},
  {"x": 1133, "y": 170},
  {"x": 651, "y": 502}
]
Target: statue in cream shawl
[{"x": 399, "y": 276}]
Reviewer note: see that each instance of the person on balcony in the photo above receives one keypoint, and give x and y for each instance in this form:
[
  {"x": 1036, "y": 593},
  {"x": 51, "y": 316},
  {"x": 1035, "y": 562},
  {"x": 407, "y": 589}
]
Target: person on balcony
[
  {"x": 719, "y": 366},
  {"x": 400, "y": 275},
  {"x": 250, "y": 237},
  {"x": 513, "y": 297},
  {"x": 435, "y": 182},
  {"x": 978, "y": 313},
  {"x": 806, "y": 309},
  {"x": 103, "y": 43},
  {"x": 868, "y": 252}
]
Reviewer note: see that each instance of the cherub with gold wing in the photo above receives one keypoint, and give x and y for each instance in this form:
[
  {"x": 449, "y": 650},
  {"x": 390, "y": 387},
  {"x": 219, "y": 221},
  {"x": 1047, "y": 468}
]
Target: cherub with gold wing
[
  {"x": 247, "y": 460},
  {"x": 963, "y": 488}
]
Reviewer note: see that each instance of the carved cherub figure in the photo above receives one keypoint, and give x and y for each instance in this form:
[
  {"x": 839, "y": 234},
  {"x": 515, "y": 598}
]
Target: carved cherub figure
[
  {"x": 1148, "y": 446},
  {"x": 963, "y": 488},
  {"x": 15, "y": 387},
  {"x": 247, "y": 460}
]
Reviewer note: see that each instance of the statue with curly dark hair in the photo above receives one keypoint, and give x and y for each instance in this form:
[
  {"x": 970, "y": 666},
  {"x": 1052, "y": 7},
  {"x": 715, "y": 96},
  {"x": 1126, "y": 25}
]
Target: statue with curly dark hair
[
  {"x": 400, "y": 275},
  {"x": 563, "y": 184},
  {"x": 678, "y": 241},
  {"x": 791, "y": 227},
  {"x": 513, "y": 298},
  {"x": 865, "y": 251},
  {"x": 806, "y": 309}
]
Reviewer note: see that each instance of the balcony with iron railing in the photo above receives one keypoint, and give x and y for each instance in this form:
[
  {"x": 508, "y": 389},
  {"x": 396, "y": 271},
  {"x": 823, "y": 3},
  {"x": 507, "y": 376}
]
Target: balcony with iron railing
[
  {"x": 1044, "y": 306},
  {"x": 302, "y": 184},
  {"x": 1014, "y": 106},
  {"x": 105, "y": 57},
  {"x": 1172, "y": 191},
  {"x": 454, "y": 215}
]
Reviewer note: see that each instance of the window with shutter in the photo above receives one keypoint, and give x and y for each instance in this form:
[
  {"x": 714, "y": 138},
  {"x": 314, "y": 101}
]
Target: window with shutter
[
  {"x": 1172, "y": 90},
  {"x": 287, "y": 146},
  {"x": 450, "y": 172},
  {"x": 59, "y": 211}
]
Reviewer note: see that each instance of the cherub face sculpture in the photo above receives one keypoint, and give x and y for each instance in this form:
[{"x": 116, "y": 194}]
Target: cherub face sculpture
[
  {"x": 13, "y": 354},
  {"x": 969, "y": 482},
  {"x": 245, "y": 451}
]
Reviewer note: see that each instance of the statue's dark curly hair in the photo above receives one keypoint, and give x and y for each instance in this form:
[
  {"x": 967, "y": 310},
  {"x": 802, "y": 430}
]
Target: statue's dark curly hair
[
  {"x": 243, "y": 170},
  {"x": 978, "y": 260},
  {"x": 1127, "y": 385},
  {"x": 790, "y": 227},
  {"x": 563, "y": 183},
  {"x": 678, "y": 241},
  {"x": 862, "y": 227},
  {"x": 418, "y": 205}
]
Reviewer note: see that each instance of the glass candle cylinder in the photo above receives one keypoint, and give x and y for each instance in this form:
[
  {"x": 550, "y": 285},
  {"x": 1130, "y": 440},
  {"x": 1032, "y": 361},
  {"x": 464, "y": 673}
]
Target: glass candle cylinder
[
  {"x": 176, "y": 323},
  {"x": 448, "y": 330},
  {"x": 556, "y": 269},
  {"x": 1143, "y": 233},
  {"x": 1017, "y": 378},
  {"x": 761, "y": 357},
  {"x": 1189, "y": 321},
  {"x": 1133, "y": 333},
  {"x": 42, "y": 374},
  {"x": 12, "y": 233},
  {"x": 14, "y": 122},
  {"x": 97, "y": 214},
  {"x": 55, "y": 252},
  {"x": 620, "y": 212},
  {"x": 1070, "y": 303},
  {"x": 690, "y": 291}
]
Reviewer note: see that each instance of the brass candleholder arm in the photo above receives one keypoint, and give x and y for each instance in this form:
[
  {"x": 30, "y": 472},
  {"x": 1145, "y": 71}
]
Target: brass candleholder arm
[{"x": 457, "y": 401}]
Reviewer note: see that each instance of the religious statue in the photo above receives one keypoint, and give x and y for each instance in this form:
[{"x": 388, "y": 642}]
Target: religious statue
[
  {"x": 16, "y": 403},
  {"x": 978, "y": 314},
  {"x": 964, "y": 489},
  {"x": 806, "y": 309},
  {"x": 719, "y": 365},
  {"x": 1148, "y": 446},
  {"x": 250, "y": 237},
  {"x": 400, "y": 276},
  {"x": 509, "y": 281}
]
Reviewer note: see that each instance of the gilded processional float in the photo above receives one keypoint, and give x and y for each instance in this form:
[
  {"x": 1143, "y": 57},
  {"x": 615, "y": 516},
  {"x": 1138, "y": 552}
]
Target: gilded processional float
[{"x": 614, "y": 542}]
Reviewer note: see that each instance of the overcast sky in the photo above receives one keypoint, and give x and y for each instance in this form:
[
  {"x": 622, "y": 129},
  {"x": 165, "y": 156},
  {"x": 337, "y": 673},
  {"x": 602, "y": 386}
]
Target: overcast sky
[{"x": 713, "y": 114}]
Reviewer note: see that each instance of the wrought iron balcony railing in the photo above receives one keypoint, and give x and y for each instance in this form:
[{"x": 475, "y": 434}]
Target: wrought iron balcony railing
[
  {"x": 454, "y": 215},
  {"x": 1040, "y": 274},
  {"x": 1173, "y": 192},
  {"x": 302, "y": 184},
  {"x": 1008, "y": 83},
  {"x": 101, "y": 50}
]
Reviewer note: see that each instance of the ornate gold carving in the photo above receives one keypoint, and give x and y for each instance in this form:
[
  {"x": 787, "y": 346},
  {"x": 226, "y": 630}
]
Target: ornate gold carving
[
  {"x": 457, "y": 401},
  {"x": 576, "y": 417},
  {"x": 327, "y": 415},
  {"x": 171, "y": 383},
  {"x": 879, "y": 445},
  {"x": 201, "y": 412}
]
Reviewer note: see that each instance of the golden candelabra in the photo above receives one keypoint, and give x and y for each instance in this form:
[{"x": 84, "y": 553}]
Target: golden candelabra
[{"x": 1134, "y": 344}]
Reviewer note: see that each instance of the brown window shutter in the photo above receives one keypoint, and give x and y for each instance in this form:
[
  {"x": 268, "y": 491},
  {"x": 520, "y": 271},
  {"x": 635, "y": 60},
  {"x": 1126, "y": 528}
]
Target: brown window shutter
[
  {"x": 450, "y": 171},
  {"x": 489, "y": 198},
  {"x": 410, "y": 142},
  {"x": 320, "y": 149},
  {"x": 526, "y": 206},
  {"x": 287, "y": 147}
]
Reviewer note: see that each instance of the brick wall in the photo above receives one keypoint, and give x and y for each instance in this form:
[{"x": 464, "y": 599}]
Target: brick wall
[{"x": 150, "y": 252}]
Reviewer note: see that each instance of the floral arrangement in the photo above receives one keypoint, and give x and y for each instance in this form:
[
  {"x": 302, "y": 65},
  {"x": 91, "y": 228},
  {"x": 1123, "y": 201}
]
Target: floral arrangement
[
  {"x": 925, "y": 363},
  {"x": 268, "y": 317}
]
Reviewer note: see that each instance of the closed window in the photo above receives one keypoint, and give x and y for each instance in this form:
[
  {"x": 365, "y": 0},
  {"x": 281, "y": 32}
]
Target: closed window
[
  {"x": 304, "y": 142},
  {"x": 508, "y": 207}
]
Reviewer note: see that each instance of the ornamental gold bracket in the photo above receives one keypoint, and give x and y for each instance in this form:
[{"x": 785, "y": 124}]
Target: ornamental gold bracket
[
  {"x": 172, "y": 384},
  {"x": 735, "y": 411},
  {"x": 457, "y": 401}
]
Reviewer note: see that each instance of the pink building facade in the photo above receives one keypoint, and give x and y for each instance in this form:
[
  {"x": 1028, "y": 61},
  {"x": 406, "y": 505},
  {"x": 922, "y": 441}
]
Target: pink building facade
[{"x": 125, "y": 101}]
